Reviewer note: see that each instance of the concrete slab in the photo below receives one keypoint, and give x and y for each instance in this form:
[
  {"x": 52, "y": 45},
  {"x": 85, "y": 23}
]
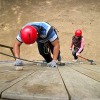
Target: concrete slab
[
  {"x": 9, "y": 77},
  {"x": 95, "y": 68},
  {"x": 70, "y": 82},
  {"x": 80, "y": 86},
  {"x": 45, "y": 84},
  {"x": 89, "y": 70}
]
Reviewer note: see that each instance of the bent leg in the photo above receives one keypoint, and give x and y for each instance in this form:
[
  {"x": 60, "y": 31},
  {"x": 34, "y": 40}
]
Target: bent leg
[
  {"x": 74, "y": 54},
  {"x": 45, "y": 55}
]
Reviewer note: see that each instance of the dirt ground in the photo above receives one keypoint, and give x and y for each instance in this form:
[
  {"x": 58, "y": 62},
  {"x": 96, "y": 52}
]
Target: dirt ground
[{"x": 65, "y": 15}]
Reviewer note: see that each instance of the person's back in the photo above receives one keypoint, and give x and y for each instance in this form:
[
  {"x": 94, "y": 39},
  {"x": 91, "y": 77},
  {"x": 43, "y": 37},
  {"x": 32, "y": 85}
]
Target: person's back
[{"x": 43, "y": 33}]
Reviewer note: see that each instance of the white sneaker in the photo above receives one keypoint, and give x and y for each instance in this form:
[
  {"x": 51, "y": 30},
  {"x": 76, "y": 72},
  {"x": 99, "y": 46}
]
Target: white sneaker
[
  {"x": 75, "y": 60},
  {"x": 17, "y": 68}
]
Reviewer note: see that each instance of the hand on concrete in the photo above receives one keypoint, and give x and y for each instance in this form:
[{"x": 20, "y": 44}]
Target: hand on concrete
[
  {"x": 52, "y": 64},
  {"x": 18, "y": 62},
  {"x": 77, "y": 54},
  {"x": 71, "y": 49}
]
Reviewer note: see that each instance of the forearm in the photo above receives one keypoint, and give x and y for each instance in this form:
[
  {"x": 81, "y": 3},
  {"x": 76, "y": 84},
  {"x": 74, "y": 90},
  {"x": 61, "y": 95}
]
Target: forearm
[
  {"x": 82, "y": 46},
  {"x": 16, "y": 49},
  {"x": 71, "y": 45},
  {"x": 56, "y": 51}
]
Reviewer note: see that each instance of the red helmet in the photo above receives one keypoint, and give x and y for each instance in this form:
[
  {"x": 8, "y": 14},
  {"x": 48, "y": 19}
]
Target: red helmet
[
  {"x": 28, "y": 34},
  {"x": 78, "y": 33}
]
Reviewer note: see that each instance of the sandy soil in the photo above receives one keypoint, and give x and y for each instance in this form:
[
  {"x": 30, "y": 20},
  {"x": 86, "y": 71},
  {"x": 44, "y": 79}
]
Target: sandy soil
[{"x": 65, "y": 15}]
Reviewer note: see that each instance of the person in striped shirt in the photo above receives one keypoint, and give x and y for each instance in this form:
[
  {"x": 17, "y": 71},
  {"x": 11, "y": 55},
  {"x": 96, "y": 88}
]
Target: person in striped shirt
[{"x": 45, "y": 36}]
